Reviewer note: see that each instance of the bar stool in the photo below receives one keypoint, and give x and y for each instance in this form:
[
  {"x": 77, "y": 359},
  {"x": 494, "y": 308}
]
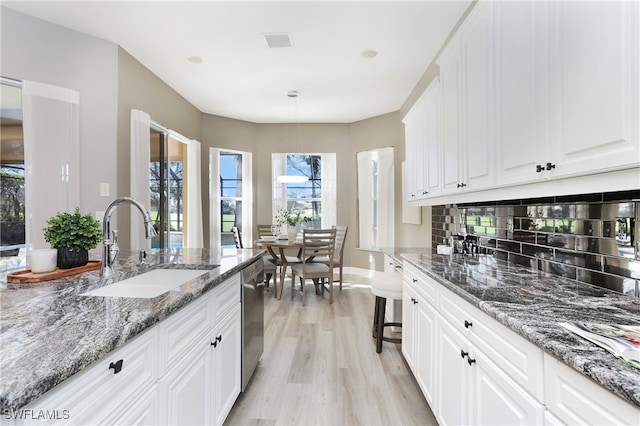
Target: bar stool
[{"x": 385, "y": 285}]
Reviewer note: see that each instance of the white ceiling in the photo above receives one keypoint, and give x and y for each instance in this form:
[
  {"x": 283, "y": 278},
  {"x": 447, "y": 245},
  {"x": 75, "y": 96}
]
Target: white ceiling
[{"x": 241, "y": 78}]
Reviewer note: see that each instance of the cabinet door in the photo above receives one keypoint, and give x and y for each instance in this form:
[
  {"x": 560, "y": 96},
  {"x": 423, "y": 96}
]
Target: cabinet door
[
  {"x": 185, "y": 391},
  {"x": 408, "y": 329},
  {"x": 141, "y": 410},
  {"x": 433, "y": 139},
  {"x": 426, "y": 348},
  {"x": 450, "y": 84},
  {"x": 410, "y": 146},
  {"x": 594, "y": 81},
  {"x": 476, "y": 84},
  {"x": 226, "y": 362},
  {"x": 415, "y": 151},
  {"x": 454, "y": 377},
  {"x": 498, "y": 400},
  {"x": 522, "y": 111}
]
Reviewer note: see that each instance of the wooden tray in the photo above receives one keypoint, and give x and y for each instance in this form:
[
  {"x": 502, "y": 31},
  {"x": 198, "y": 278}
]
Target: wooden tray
[{"x": 26, "y": 276}]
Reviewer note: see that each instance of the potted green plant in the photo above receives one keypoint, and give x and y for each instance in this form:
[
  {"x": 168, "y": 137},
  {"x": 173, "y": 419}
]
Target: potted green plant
[
  {"x": 73, "y": 235},
  {"x": 292, "y": 220}
]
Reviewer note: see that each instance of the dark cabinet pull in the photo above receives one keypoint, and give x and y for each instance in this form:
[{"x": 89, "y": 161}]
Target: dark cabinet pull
[
  {"x": 550, "y": 166},
  {"x": 415, "y": 301},
  {"x": 539, "y": 168},
  {"x": 425, "y": 192},
  {"x": 461, "y": 185},
  {"x": 116, "y": 366},
  {"x": 216, "y": 340},
  {"x": 463, "y": 353},
  {"x": 414, "y": 280},
  {"x": 467, "y": 324},
  {"x": 470, "y": 360}
]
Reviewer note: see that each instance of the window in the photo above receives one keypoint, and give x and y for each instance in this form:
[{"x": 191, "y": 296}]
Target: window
[
  {"x": 375, "y": 199},
  {"x": 315, "y": 198},
  {"x": 12, "y": 183},
  {"x": 230, "y": 196}
]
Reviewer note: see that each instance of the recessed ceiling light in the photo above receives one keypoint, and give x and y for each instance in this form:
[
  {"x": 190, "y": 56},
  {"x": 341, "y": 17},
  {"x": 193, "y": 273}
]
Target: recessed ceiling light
[
  {"x": 195, "y": 59},
  {"x": 368, "y": 54}
]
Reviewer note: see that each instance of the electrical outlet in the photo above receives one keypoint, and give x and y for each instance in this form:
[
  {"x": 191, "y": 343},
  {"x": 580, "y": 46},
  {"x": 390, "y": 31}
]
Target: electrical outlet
[{"x": 104, "y": 189}]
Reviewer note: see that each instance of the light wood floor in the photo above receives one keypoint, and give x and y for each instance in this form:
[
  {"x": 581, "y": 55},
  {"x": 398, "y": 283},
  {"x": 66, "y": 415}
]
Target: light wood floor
[{"x": 320, "y": 366}]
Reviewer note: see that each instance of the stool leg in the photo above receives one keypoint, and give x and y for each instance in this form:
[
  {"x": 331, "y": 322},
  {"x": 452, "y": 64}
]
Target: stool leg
[
  {"x": 374, "y": 327},
  {"x": 382, "y": 304}
]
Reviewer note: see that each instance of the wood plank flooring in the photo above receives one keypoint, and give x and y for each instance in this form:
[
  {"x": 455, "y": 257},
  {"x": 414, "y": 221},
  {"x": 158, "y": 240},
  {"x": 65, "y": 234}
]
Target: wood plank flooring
[{"x": 320, "y": 366}]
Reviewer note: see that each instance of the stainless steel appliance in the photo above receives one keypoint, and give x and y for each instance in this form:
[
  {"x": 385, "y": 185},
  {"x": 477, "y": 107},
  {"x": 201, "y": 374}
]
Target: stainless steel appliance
[{"x": 252, "y": 319}]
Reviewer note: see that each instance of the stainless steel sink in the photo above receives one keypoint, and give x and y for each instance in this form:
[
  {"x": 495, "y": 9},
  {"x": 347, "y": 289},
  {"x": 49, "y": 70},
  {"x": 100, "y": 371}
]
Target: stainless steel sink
[{"x": 147, "y": 285}]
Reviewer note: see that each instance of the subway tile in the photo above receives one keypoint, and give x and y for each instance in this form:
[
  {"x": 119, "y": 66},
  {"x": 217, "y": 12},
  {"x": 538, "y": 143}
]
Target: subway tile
[
  {"x": 612, "y": 211},
  {"x": 562, "y": 241},
  {"x": 523, "y": 260},
  {"x": 532, "y": 211},
  {"x": 621, "y": 195},
  {"x": 524, "y": 236},
  {"x": 608, "y": 228},
  {"x": 579, "y": 259},
  {"x": 487, "y": 242},
  {"x": 537, "y": 251},
  {"x": 612, "y": 282},
  {"x": 564, "y": 270},
  {"x": 622, "y": 267},
  {"x": 511, "y": 246},
  {"x": 520, "y": 211},
  {"x": 589, "y": 198}
]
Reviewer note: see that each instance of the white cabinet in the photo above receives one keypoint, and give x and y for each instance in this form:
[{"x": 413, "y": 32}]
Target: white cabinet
[
  {"x": 185, "y": 370},
  {"x": 472, "y": 389},
  {"x": 471, "y": 369},
  {"x": 226, "y": 363},
  {"x": 466, "y": 71},
  {"x": 116, "y": 389},
  {"x": 594, "y": 82},
  {"x": 423, "y": 138},
  {"x": 572, "y": 398},
  {"x": 415, "y": 151},
  {"x": 419, "y": 330},
  {"x": 203, "y": 343}
]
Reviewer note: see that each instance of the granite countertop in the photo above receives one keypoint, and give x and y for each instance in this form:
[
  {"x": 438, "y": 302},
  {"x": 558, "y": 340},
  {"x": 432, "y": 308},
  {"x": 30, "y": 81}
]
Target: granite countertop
[
  {"x": 48, "y": 332},
  {"x": 532, "y": 303}
]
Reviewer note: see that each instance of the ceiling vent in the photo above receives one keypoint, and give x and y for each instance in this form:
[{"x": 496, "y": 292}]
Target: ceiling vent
[{"x": 278, "y": 40}]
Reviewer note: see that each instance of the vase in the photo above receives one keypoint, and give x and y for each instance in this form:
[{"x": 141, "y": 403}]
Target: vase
[
  {"x": 68, "y": 259},
  {"x": 292, "y": 232}
]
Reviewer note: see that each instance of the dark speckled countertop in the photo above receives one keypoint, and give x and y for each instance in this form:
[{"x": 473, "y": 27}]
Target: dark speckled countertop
[
  {"x": 48, "y": 332},
  {"x": 532, "y": 303}
]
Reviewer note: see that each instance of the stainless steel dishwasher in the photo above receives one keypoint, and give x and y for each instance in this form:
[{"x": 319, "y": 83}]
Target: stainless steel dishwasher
[{"x": 252, "y": 319}]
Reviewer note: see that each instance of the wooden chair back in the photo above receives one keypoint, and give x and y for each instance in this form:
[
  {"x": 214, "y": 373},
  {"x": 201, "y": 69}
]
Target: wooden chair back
[
  {"x": 318, "y": 243},
  {"x": 264, "y": 231},
  {"x": 237, "y": 238}
]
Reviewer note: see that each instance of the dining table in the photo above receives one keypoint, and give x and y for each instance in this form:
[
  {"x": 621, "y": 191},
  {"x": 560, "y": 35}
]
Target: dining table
[{"x": 277, "y": 248}]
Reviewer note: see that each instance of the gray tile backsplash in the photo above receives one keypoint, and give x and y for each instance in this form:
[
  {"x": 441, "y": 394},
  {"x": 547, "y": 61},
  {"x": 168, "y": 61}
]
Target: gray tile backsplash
[{"x": 596, "y": 241}]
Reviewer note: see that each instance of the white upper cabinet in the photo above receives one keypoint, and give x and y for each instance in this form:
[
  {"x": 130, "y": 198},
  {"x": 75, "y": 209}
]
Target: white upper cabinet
[
  {"x": 466, "y": 70},
  {"x": 522, "y": 130},
  {"x": 533, "y": 92},
  {"x": 594, "y": 85},
  {"x": 423, "y": 129}
]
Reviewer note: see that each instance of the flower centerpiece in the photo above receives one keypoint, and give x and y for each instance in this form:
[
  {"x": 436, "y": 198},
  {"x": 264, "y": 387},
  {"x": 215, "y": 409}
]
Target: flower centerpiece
[
  {"x": 292, "y": 220},
  {"x": 73, "y": 235}
]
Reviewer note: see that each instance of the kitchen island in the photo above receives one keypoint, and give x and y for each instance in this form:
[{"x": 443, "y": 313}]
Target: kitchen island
[
  {"x": 49, "y": 332},
  {"x": 531, "y": 303}
]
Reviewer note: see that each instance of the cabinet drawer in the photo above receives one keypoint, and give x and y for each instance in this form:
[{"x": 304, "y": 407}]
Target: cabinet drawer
[
  {"x": 424, "y": 285},
  {"x": 520, "y": 359},
  {"x": 226, "y": 296},
  {"x": 184, "y": 330},
  {"x": 95, "y": 391},
  {"x": 575, "y": 399}
]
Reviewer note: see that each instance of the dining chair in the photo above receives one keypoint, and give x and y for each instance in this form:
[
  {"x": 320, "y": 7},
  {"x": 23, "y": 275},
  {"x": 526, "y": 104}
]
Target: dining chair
[
  {"x": 341, "y": 235},
  {"x": 315, "y": 243},
  {"x": 265, "y": 231},
  {"x": 268, "y": 266}
]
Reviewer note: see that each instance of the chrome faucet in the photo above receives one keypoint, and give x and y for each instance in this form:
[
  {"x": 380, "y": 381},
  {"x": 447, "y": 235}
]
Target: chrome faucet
[{"x": 110, "y": 248}]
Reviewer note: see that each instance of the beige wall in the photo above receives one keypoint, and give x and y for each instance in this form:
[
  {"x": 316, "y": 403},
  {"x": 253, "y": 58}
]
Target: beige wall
[
  {"x": 139, "y": 88},
  {"x": 111, "y": 83}
]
